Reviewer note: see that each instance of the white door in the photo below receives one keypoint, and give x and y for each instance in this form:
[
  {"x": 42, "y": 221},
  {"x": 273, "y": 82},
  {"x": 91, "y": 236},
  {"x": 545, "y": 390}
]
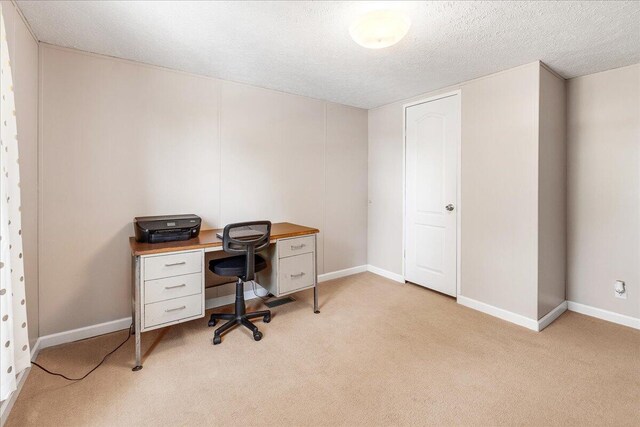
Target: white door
[{"x": 432, "y": 140}]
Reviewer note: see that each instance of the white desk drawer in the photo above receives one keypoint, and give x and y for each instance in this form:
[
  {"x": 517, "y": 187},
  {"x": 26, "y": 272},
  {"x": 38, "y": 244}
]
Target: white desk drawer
[
  {"x": 172, "y": 287},
  {"x": 172, "y": 310},
  {"x": 296, "y": 272},
  {"x": 297, "y": 246},
  {"x": 161, "y": 266}
]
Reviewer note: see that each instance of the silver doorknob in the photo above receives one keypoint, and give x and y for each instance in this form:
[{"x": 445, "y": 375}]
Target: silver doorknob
[{"x": 449, "y": 207}]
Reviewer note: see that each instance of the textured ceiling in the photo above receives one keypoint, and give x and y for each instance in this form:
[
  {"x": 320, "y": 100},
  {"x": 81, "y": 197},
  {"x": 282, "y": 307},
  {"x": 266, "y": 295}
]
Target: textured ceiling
[{"x": 305, "y": 47}]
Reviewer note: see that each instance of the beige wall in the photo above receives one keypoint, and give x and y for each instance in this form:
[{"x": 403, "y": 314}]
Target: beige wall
[
  {"x": 345, "y": 188},
  {"x": 552, "y": 193},
  {"x": 384, "y": 243},
  {"x": 499, "y": 188},
  {"x": 604, "y": 189},
  {"x": 121, "y": 139},
  {"x": 23, "y": 51}
]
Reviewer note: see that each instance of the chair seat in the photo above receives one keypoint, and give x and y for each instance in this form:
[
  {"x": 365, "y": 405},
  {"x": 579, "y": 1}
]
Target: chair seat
[{"x": 235, "y": 265}]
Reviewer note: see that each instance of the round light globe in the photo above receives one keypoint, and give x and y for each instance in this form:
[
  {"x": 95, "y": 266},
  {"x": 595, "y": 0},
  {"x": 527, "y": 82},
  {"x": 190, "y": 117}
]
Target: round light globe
[{"x": 380, "y": 28}]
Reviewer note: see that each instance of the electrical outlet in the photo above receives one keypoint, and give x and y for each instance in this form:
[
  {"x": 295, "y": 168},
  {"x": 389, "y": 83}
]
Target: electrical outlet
[{"x": 619, "y": 289}]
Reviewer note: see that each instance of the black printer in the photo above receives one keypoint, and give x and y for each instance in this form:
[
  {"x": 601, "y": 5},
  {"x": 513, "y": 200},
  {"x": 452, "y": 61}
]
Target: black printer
[{"x": 166, "y": 228}]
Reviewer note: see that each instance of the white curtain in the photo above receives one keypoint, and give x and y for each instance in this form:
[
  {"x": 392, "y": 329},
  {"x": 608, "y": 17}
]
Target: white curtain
[{"x": 14, "y": 339}]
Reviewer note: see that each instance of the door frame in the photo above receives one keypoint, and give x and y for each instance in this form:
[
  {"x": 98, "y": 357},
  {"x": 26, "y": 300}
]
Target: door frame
[{"x": 457, "y": 92}]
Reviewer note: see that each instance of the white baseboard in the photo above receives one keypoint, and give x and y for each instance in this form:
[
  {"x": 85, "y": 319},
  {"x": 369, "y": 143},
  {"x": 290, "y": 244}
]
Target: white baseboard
[
  {"x": 35, "y": 349},
  {"x": 610, "y": 316},
  {"x": 500, "y": 313},
  {"x": 231, "y": 298},
  {"x": 83, "y": 333},
  {"x": 120, "y": 324},
  {"x": 552, "y": 315},
  {"x": 117, "y": 325},
  {"x": 518, "y": 319},
  {"x": 7, "y": 404},
  {"x": 385, "y": 273},
  {"x": 341, "y": 273}
]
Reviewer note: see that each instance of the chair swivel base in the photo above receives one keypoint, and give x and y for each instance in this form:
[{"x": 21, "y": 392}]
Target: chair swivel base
[{"x": 234, "y": 320}]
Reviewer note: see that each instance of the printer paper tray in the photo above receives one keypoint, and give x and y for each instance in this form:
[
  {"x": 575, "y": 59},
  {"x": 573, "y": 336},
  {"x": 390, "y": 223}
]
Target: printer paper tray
[{"x": 169, "y": 236}]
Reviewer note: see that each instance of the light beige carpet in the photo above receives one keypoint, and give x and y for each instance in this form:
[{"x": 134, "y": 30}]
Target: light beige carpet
[{"x": 380, "y": 353}]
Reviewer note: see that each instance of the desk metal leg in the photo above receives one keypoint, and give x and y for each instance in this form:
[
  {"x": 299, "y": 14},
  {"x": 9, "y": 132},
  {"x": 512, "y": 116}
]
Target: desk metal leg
[
  {"x": 315, "y": 286},
  {"x": 137, "y": 323},
  {"x": 133, "y": 294}
]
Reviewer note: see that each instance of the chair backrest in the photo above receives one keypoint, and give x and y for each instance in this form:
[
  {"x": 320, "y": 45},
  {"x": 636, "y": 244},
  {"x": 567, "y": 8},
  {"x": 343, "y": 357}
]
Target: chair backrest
[{"x": 246, "y": 238}]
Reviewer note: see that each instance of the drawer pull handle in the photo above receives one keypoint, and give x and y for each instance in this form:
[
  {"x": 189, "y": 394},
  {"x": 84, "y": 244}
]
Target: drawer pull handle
[
  {"x": 295, "y": 276},
  {"x": 176, "y": 286},
  {"x": 175, "y": 309},
  {"x": 175, "y": 263},
  {"x": 300, "y": 246}
]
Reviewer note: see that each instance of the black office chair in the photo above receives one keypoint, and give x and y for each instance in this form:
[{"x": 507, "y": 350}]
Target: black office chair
[{"x": 244, "y": 238}]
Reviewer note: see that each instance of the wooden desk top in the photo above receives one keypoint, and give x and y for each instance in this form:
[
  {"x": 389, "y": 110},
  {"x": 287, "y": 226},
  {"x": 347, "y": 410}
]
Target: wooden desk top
[{"x": 208, "y": 239}]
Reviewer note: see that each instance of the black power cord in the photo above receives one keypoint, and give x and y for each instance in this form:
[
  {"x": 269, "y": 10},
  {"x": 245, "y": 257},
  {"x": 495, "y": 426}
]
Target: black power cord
[{"x": 94, "y": 368}]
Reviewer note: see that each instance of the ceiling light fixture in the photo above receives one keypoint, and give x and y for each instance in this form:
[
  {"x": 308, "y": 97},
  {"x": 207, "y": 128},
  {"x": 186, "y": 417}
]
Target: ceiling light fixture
[{"x": 380, "y": 28}]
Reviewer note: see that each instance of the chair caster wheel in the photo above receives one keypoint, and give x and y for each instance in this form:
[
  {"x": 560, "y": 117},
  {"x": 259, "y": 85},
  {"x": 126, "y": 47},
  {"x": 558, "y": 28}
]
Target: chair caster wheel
[
  {"x": 266, "y": 319},
  {"x": 213, "y": 322},
  {"x": 217, "y": 340},
  {"x": 257, "y": 335}
]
